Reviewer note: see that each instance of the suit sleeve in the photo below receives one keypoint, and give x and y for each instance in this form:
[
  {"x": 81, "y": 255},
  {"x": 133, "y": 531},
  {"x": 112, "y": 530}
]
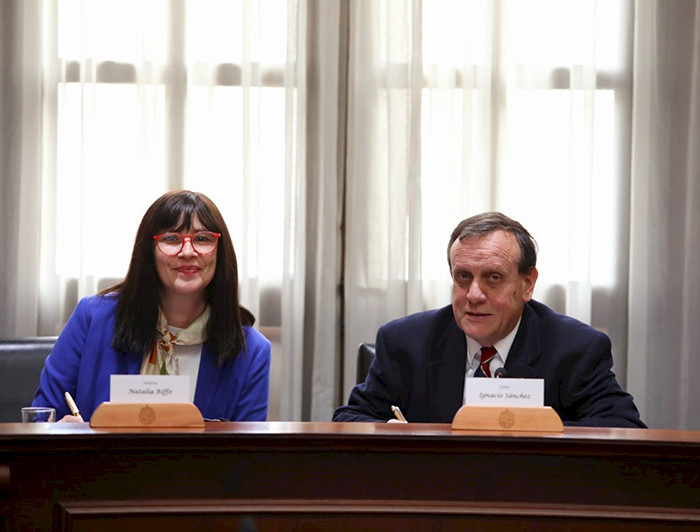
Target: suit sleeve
[
  {"x": 60, "y": 373},
  {"x": 372, "y": 399},
  {"x": 595, "y": 398}
]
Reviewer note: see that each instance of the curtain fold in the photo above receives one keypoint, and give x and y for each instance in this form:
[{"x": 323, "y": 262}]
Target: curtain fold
[
  {"x": 325, "y": 111},
  {"x": 664, "y": 301},
  {"x": 293, "y": 298},
  {"x": 383, "y": 110},
  {"x": 20, "y": 166}
]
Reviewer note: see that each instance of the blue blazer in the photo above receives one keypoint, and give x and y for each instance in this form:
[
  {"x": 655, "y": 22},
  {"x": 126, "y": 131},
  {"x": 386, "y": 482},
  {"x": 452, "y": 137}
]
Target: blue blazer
[
  {"x": 421, "y": 360},
  {"x": 83, "y": 359}
]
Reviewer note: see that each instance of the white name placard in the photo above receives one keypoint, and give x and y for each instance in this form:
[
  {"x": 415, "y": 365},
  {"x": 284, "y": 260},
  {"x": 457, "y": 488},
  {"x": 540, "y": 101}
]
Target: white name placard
[
  {"x": 149, "y": 389},
  {"x": 504, "y": 392}
]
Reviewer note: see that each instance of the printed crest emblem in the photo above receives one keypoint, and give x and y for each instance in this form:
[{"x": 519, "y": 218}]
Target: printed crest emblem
[
  {"x": 506, "y": 420},
  {"x": 147, "y": 415}
]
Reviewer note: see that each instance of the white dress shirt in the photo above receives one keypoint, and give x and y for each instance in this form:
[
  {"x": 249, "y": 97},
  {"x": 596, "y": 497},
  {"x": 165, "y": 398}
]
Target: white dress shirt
[{"x": 498, "y": 361}]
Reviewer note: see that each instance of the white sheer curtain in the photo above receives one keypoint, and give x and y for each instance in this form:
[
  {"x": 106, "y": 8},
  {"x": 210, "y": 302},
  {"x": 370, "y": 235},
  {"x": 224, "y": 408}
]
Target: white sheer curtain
[
  {"x": 343, "y": 140},
  {"x": 383, "y": 245},
  {"x": 664, "y": 301},
  {"x": 20, "y": 166},
  {"x": 457, "y": 107},
  {"x": 122, "y": 101}
]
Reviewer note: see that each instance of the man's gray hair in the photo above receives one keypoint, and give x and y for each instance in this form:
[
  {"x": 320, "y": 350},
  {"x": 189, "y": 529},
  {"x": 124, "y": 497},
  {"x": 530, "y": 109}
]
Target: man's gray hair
[{"x": 488, "y": 222}]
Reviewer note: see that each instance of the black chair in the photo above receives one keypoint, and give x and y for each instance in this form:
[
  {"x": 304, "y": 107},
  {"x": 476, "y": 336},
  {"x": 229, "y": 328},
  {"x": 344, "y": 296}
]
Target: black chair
[
  {"x": 365, "y": 356},
  {"x": 21, "y": 362}
]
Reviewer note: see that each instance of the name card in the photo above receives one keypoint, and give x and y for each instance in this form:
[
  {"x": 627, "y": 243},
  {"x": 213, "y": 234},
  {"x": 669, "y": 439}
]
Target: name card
[
  {"x": 149, "y": 389},
  {"x": 504, "y": 392}
]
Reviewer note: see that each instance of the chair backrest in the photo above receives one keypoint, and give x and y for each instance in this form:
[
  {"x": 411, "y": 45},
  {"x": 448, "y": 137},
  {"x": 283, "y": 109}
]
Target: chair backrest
[
  {"x": 21, "y": 362},
  {"x": 365, "y": 356}
]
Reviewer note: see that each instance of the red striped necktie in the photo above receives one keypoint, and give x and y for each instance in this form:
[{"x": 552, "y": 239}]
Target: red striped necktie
[{"x": 487, "y": 353}]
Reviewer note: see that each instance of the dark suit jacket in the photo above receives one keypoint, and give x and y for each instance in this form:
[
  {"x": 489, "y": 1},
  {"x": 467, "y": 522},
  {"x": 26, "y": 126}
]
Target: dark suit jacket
[{"x": 421, "y": 361}]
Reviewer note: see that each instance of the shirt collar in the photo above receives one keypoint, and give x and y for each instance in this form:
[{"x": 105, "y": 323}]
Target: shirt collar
[{"x": 502, "y": 346}]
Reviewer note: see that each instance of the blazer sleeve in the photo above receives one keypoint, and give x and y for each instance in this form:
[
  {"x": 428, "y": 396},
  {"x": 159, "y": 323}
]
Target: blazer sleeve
[
  {"x": 371, "y": 400},
  {"x": 60, "y": 373},
  {"x": 593, "y": 397}
]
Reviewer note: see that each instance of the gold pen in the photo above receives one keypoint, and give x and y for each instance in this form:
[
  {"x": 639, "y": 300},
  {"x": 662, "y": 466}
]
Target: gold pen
[
  {"x": 398, "y": 414},
  {"x": 72, "y": 406}
]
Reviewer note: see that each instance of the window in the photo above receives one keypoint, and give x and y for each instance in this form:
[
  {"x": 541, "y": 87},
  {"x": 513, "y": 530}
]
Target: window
[
  {"x": 151, "y": 96},
  {"x": 524, "y": 107}
]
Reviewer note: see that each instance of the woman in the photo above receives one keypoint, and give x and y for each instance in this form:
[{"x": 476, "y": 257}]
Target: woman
[{"x": 176, "y": 312}]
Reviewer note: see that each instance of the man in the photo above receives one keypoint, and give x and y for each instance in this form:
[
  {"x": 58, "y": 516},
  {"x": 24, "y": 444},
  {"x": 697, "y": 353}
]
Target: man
[{"x": 422, "y": 360}]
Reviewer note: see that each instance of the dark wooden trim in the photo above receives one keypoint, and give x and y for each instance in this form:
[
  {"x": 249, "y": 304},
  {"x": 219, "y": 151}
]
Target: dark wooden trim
[{"x": 346, "y": 476}]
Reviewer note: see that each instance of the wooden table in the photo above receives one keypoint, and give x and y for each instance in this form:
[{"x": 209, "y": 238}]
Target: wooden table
[{"x": 346, "y": 476}]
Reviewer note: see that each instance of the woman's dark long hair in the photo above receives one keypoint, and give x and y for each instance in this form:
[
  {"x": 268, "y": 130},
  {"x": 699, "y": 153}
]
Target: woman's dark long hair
[{"x": 135, "y": 327}]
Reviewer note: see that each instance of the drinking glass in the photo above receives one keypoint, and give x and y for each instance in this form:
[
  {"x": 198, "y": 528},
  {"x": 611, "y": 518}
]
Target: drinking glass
[{"x": 36, "y": 414}]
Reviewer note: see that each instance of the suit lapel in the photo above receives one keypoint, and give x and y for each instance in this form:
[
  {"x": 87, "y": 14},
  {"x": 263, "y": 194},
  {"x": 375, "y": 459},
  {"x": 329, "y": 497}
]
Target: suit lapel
[
  {"x": 130, "y": 363},
  {"x": 525, "y": 349},
  {"x": 448, "y": 362},
  {"x": 208, "y": 376}
]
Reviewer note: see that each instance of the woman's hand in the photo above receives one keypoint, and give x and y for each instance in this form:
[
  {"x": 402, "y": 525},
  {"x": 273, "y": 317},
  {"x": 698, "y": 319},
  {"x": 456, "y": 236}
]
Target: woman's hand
[{"x": 70, "y": 419}]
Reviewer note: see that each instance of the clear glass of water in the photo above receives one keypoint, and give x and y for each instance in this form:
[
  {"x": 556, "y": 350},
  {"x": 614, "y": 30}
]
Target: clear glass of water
[{"x": 37, "y": 414}]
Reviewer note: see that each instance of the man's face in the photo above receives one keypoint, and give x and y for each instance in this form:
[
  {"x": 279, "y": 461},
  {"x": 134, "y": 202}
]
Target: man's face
[{"x": 488, "y": 293}]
